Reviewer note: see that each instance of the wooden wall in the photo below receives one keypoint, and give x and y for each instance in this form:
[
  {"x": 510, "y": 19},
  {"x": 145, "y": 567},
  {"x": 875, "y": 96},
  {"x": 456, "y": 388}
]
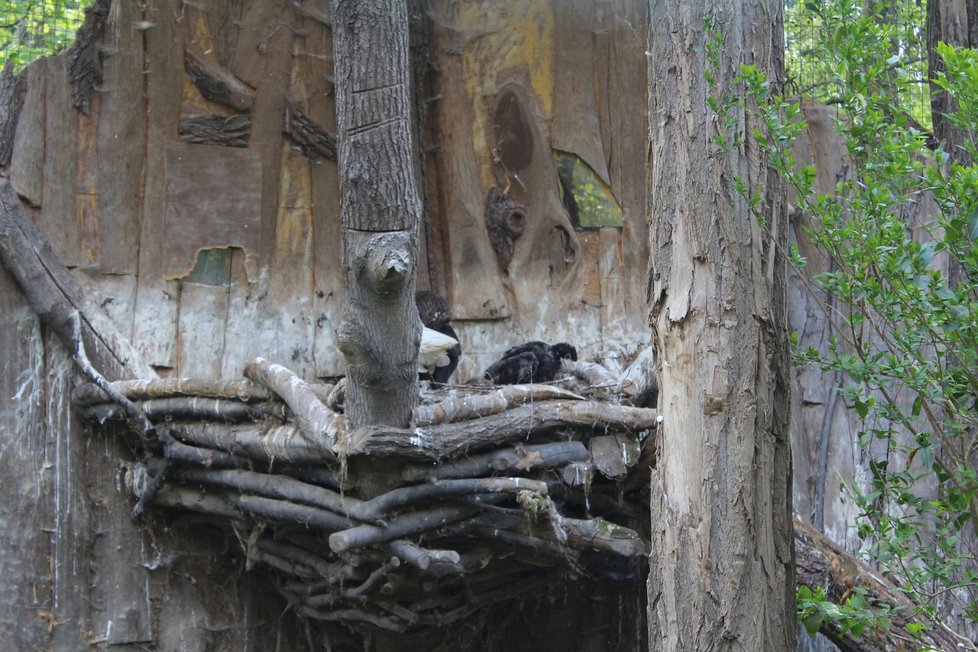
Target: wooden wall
[{"x": 208, "y": 230}]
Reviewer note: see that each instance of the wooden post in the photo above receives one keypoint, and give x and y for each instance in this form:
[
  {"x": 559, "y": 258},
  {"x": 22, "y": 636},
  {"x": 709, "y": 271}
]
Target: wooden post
[{"x": 380, "y": 210}]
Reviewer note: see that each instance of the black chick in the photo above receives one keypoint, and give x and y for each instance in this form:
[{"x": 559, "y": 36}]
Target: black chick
[
  {"x": 533, "y": 362},
  {"x": 436, "y": 315}
]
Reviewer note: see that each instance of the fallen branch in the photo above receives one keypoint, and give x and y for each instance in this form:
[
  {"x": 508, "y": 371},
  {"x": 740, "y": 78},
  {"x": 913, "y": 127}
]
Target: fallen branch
[{"x": 822, "y": 563}]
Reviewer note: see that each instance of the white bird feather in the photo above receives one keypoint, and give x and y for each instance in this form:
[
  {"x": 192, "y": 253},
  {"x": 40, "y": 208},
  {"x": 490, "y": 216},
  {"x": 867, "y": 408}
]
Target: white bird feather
[{"x": 434, "y": 350}]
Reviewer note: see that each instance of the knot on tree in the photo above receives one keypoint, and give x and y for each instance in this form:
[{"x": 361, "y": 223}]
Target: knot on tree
[
  {"x": 505, "y": 219},
  {"x": 389, "y": 262}
]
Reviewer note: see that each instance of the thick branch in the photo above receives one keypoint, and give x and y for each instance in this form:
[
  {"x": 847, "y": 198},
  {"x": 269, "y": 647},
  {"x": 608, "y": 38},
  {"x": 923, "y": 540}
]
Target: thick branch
[
  {"x": 460, "y": 406},
  {"x": 141, "y": 390},
  {"x": 516, "y": 458},
  {"x": 822, "y": 563},
  {"x": 191, "y": 408},
  {"x": 54, "y": 294},
  {"x": 316, "y": 422},
  {"x": 449, "y": 440}
]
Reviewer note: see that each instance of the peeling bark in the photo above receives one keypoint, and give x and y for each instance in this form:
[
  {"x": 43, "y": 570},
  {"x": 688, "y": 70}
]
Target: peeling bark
[{"x": 723, "y": 574}]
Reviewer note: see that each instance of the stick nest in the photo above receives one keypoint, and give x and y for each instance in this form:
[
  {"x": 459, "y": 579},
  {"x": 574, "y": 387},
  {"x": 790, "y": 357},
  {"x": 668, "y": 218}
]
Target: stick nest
[{"x": 493, "y": 494}]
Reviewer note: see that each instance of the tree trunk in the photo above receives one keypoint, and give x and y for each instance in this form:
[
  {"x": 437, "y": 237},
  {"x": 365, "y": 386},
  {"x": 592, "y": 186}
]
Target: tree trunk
[
  {"x": 954, "y": 22},
  {"x": 380, "y": 330},
  {"x": 722, "y": 576}
]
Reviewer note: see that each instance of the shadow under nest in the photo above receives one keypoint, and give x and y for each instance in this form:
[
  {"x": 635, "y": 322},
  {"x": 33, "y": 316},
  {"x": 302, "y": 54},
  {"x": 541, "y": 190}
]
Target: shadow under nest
[{"x": 496, "y": 495}]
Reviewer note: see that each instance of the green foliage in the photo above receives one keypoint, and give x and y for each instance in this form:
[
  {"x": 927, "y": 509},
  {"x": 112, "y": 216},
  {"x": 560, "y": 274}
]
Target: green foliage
[
  {"x": 35, "y": 28},
  {"x": 591, "y": 204},
  {"x": 854, "y": 616},
  {"x": 905, "y": 297},
  {"x": 809, "y": 73}
]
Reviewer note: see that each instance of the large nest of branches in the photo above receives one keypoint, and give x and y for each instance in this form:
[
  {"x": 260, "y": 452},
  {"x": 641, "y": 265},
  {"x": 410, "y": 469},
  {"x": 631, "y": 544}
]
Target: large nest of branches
[{"x": 492, "y": 495}]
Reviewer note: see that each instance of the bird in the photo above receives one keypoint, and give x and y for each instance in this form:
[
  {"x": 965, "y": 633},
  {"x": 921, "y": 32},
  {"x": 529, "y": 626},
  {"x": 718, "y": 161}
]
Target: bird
[
  {"x": 533, "y": 362},
  {"x": 436, "y": 316}
]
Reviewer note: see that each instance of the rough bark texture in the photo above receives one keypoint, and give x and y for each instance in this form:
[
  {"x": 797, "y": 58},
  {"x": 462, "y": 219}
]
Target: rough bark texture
[
  {"x": 723, "y": 575},
  {"x": 380, "y": 330},
  {"x": 954, "y": 22}
]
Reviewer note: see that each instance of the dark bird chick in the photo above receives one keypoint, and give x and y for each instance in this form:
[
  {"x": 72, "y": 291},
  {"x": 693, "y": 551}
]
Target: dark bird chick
[
  {"x": 533, "y": 362},
  {"x": 436, "y": 315}
]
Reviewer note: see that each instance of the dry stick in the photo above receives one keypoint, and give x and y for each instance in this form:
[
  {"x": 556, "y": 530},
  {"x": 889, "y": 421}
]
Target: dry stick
[
  {"x": 283, "y": 564},
  {"x": 592, "y": 373},
  {"x": 422, "y": 558},
  {"x": 428, "y": 444},
  {"x": 318, "y": 424},
  {"x": 379, "y": 507},
  {"x": 296, "y": 491},
  {"x": 357, "y": 616},
  {"x": 518, "y": 458},
  {"x": 191, "y": 408},
  {"x": 333, "y": 574},
  {"x": 413, "y": 523},
  {"x": 373, "y": 581},
  {"x": 448, "y": 440},
  {"x": 274, "y": 486}
]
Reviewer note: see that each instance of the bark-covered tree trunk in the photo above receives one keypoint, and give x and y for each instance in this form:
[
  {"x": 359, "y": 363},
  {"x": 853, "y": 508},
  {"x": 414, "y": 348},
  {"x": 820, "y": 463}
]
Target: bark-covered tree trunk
[
  {"x": 954, "y": 22},
  {"x": 380, "y": 330},
  {"x": 722, "y": 575}
]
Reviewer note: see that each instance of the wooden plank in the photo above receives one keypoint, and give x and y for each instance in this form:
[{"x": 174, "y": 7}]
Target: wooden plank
[
  {"x": 25, "y": 476},
  {"x": 476, "y": 288},
  {"x": 615, "y": 324},
  {"x": 211, "y": 201},
  {"x": 114, "y": 294},
  {"x": 291, "y": 273},
  {"x": 121, "y": 139},
  {"x": 262, "y": 57},
  {"x": 57, "y": 219},
  {"x": 621, "y": 40},
  {"x": 71, "y": 533},
  {"x": 575, "y": 126},
  {"x": 27, "y": 162},
  {"x": 155, "y": 315},
  {"x": 311, "y": 89},
  {"x": 200, "y": 330},
  {"x": 245, "y": 335}
]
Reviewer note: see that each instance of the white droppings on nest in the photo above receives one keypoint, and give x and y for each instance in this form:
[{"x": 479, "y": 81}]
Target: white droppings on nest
[{"x": 420, "y": 438}]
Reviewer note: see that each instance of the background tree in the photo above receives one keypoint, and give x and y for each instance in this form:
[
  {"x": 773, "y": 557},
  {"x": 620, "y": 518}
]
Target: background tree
[{"x": 723, "y": 572}]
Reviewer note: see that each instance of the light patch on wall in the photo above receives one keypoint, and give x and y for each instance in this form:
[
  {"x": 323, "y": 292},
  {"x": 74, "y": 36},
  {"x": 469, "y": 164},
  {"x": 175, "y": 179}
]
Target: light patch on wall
[
  {"x": 588, "y": 200},
  {"x": 212, "y": 267}
]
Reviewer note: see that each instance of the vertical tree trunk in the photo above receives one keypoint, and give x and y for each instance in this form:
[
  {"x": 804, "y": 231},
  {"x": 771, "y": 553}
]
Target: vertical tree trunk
[
  {"x": 954, "y": 22},
  {"x": 380, "y": 330},
  {"x": 722, "y": 576}
]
